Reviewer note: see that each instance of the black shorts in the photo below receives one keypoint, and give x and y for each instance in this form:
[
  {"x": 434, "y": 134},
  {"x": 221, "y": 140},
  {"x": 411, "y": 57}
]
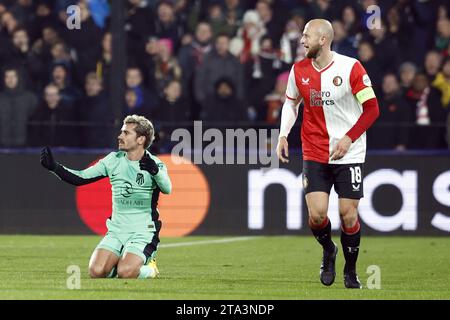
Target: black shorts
[{"x": 346, "y": 178}]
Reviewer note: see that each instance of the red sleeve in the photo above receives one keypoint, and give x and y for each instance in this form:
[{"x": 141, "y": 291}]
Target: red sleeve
[
  {"x": 370, "y": 113},
  {"x": 359, "y": 78}
]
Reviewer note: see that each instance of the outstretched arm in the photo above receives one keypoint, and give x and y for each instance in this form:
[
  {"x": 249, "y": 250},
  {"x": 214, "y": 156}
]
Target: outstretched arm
[{"x": 73, "y": 177}]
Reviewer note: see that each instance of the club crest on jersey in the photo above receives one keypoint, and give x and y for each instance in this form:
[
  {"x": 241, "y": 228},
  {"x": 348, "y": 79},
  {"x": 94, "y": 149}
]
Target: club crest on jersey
[
  {"x": 140, "y": 179},
  {"x": 305, "y": 82},
  {"x": 337, "y": 81}
]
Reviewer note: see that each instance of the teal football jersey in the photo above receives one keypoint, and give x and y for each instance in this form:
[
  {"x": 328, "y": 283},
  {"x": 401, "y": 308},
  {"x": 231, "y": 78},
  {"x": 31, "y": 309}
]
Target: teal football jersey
[{"x": 135, "y": 192}]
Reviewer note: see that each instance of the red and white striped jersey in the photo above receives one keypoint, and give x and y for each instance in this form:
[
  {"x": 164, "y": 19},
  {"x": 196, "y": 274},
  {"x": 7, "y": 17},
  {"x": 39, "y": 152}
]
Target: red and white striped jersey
[{"x": 330, "y": 106}]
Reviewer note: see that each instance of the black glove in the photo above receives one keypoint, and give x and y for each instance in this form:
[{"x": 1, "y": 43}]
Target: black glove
[
  {"x": 47, "y": 160},
  {"x": 148, "y": 164}
]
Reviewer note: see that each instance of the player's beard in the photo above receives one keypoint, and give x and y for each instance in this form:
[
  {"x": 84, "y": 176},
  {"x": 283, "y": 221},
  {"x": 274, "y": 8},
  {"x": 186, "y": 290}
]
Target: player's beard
[
  {"x": 129, "y": 146},
  {"x": 313, "y": 52},
  {"x": 122, "y": 146}
]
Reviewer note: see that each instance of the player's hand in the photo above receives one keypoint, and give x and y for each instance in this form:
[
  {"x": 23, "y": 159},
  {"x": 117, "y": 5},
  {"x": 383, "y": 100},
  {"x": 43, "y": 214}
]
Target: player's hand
[
  {"x": 47, "y": 160},
  {"x": 148, "y": 164},
  {"x": 283, "y": 150},
  {"x": 341, "y": 148}
]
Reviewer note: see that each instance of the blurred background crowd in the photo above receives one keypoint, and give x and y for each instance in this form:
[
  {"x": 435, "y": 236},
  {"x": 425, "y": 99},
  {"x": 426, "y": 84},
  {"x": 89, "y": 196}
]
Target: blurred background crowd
[{"x": 225, "y": 62}]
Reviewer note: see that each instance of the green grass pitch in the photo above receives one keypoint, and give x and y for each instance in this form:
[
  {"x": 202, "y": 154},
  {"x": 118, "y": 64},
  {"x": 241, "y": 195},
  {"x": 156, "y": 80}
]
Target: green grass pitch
[{"x": 34, "y": 267}]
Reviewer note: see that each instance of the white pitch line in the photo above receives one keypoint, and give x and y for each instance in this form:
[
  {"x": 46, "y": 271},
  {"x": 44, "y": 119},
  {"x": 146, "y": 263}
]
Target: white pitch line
[{"x": 193, "y": 243}]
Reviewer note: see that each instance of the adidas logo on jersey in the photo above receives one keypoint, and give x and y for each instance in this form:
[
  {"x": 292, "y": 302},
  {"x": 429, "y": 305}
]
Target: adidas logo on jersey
[{"x": 305, "y": 81}]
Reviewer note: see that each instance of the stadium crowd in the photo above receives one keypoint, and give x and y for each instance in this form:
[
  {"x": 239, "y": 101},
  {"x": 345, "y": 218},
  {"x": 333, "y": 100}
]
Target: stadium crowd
[{"x": 222, "y": 61}]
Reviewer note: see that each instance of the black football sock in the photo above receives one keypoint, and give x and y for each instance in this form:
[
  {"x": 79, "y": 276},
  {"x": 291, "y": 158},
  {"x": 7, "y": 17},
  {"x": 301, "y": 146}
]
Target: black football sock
[
  {"x": 322, "y": 233},
  {"x": 350, "y": 239}
]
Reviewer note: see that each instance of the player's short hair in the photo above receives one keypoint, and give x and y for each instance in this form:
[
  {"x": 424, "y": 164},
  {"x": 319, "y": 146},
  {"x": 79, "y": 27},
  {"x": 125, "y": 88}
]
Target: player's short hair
[{"x": 144, "y": 127}]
